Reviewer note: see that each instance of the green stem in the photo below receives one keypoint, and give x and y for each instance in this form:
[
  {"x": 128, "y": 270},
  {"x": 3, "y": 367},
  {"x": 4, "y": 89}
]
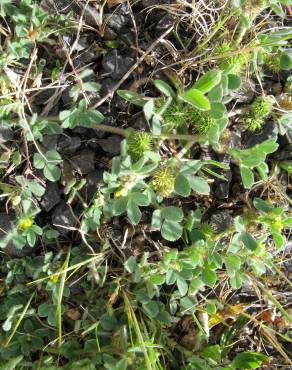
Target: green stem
[{"x": 126, "y": 132}]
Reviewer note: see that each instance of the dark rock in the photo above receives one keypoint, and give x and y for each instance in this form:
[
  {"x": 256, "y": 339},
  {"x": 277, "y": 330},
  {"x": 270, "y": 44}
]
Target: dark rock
[
  {"x": 221, "y": 221},
  {"x": 249, "y": 139},
  {"x": 116, "y": 65},
  {"x": 6, "y": 224},
  {"x": 246, "y": 92},
  {"x": 91, "y": 16},
  {"x": 107, "y": 85},
  {"x": 63, "y": 6},
  {"x": 50, "y": 142},
  {"x": 284, "y": 154},
  {"x": 116, "y": 21},
  {"x": 93, "y": 180},
  {"x": 66, "y": 98},
  {"x": 69, "y": 144},
  {"x": 84, "y": 161},
  {"x": 99, "y": 134},
  {"x": 222, "y": 187},
  {"x": 51, "y": 197},
  {"x": 6, "y": 134},
  {"x": 42, "y": 96},
  {"x": 128, "y": 37},
  {"x": 63, "y": 216},
  {"x": 111, "y": 145},
  {"x": 164, "y": 23}
]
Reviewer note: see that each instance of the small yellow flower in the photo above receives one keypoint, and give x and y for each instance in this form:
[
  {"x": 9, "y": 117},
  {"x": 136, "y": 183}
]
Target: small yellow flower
[
  {"x": 121, "y": 193},
  {"x": 278, "y": 223},
  {"x": 25, "y": 223},
  {"x": 54, "y": 278}
]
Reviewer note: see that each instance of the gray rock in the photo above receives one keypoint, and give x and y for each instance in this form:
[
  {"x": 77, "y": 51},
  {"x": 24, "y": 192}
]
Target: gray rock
[
  {"x": 116, "y": 65},
  {"x": 6, "y": 134},
  {"x": 107, "y": 85},
  {"x": 84, "y": 161},
  {"x": 51, "y": 197},
  {"x": 116, "y": 21},
  {"x": 6, "y": 224},
  {"x": 246, "y": 92},
  {"x": 50, "y": 142},
  {"x": 91, "y": 16},
  {"x": 222, "y": 187},
  {"x": 93, "y": 180},
  {"x": 111, "y": 145},
  {"x": 221, "y": 221},
  {"x": 250, "y": 139},
  {"x": 63, "y": 216},
  {"x": 69, "y": 144}
]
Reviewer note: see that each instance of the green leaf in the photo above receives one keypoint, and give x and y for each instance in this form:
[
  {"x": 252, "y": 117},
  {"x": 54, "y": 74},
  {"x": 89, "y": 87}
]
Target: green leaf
[
  {"x": 196, "y": 98},
  {"x": 53, "y": 155},
  {"x": 140, "y": 199},
  {"x": 11, "y": 363},
  {"x": 234, "y": 82},
  {"x": 133, "y": 212},
  {"x": 91, "y": 86},
  {"x": 199, "y": 184},
  {"x": 280, "y": 240},
  {"x": 151, "y": 308},
  {"x": 132, "y": 97},
  {"x": 171, "y": 230},
  {"x": 286, "y": 61},
  {"x": 208, "y": 81},
  {"x": 249, "y": 241},
  {"x": 236, "y": 281},
  {"x": 261, "y": 205},
  {"x": 217, "y": 110},
  {"x": 247, "y": 177},
  {"x": 36, "y": 188},
  {"x": 119, "y": 205},
  {"x": 157, "y": 279},
  {"x": 182, "y": 186},
  {"x": 286, "y": 165},
  {"x": 213, "y": 353},
  {"x": 172, "y": 213},
  {"x": 156, "y": 220},
  {"x": 38, "y": 161},
  {"x": 52, "y": 172},
  {"x": 164, "y": 88},
  {"x": 268, "y": 146},
  {"x": 216, "y": 94},
  {"x": 209, "y": 277},
  {"x": 181, "y": 285},
  {"x": 232, "y": 264},
  {"x": 131, "y": 264},
  {"x": 249, "y": 360}
]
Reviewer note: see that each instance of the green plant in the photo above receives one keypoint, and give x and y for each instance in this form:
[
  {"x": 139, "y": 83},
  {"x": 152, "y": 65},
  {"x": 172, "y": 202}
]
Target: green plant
[
  {"x": 138, "y": 143},
  {"x": 49, "y": 164},
  {"x": 257, "y": 113},
  {"x": 254, "y": 157}
]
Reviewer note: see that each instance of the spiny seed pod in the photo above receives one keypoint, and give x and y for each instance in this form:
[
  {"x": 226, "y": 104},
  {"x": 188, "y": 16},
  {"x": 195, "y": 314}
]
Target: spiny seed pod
[
  {"x": 138, "y": 143},
  {"x": 176, "y": 115},
  {"x": 285, "y": 102},
  {"x": 273, "y": 62},
  {"x": 260, "y": 108},
  {"x": 202, "y": 120},
  {"x": 235, "y": 63},
  {"x": 163, "y": 181},
  {"x": 251, "y": 8}
]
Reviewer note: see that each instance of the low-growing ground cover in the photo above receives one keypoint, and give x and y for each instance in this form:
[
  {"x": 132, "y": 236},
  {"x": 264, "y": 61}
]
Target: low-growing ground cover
[{"x": 145, "y": 184}]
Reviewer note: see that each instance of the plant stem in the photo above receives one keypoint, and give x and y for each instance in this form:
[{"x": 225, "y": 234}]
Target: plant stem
[{"x": 125, "y": 132}]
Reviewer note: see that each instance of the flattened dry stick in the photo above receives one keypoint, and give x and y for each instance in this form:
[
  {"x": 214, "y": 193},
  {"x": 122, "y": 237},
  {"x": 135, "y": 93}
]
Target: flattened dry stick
[{"x": 134, "y": 66}]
